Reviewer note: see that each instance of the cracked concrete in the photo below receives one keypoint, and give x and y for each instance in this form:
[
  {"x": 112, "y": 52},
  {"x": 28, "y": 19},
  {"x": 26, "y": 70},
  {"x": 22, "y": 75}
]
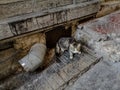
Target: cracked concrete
[{"x": 103, "y": 76}]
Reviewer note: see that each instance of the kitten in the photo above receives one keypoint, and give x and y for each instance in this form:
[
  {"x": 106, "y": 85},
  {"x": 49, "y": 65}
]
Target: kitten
[
  {"x": 68, "y": 44},
  {"x": 74, "y": 48}
]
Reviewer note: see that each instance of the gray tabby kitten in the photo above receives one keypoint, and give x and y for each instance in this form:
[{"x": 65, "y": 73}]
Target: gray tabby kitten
[{"x": 68, "y": 44}]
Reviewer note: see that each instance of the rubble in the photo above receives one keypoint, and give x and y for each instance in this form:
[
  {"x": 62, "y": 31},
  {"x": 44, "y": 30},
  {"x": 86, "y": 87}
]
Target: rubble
[
  {"x": 102, "y": 35},
  {"x": 110, "y": 49}
]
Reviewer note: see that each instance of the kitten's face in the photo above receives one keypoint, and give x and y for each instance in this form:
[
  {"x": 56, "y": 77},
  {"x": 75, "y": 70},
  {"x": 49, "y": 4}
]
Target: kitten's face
[{"x": 75, "y": 47}]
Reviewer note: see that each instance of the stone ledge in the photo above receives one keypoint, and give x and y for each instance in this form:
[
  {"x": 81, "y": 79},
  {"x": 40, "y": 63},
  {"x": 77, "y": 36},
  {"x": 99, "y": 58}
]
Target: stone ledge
[
  {"x": 8, "y": 1},
  {"x": 19, "y": 7},
  {"x": 35, "y": 21}
]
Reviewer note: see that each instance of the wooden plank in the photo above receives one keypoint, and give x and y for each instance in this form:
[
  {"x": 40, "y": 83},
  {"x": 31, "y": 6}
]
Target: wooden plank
[{"x": 63, "y": 75}]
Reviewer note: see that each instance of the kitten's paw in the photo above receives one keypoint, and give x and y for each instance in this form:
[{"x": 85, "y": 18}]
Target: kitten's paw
[
  {"x": 71, "y": 57},
  {"x": 79, "y": 52}
]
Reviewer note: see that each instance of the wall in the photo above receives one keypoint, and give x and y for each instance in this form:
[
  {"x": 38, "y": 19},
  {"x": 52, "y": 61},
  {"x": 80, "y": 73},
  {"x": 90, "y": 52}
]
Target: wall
[
  {"x": 9, "y": 8},
  {"x": 19, "y": 22}
]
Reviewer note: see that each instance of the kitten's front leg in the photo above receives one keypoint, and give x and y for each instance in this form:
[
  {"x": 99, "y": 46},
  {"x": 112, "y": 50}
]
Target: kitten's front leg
[
  {"x": 79, "y": 52},
  {"x": 71, "y": 55}
]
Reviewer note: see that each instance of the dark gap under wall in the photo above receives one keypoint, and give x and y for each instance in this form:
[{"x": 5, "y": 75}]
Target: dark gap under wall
[
  {"x": 6, "y": 45},
  {"x": 54, "y": 35}
]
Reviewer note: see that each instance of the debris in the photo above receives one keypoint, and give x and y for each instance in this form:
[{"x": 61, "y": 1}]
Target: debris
[
  {"x": 102, "y": 35},
  {"x": 34, "y": 58}
]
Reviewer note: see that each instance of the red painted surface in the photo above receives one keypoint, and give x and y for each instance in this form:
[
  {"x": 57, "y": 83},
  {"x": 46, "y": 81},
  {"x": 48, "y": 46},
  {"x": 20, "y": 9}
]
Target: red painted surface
[{"x": 107, "y": 24}]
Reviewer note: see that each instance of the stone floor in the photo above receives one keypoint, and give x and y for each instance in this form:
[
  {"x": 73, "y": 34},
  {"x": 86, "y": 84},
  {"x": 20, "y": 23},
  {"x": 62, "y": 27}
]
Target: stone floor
[{"x": 103, "y": 76}]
